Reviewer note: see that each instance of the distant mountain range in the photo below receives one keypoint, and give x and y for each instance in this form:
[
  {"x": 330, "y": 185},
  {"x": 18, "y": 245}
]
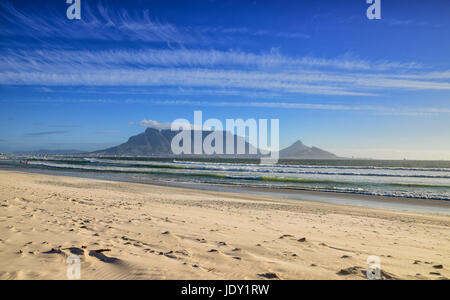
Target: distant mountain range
[
  {"x": 154, "y": 142},
  {"x": 52, "y": 152}
]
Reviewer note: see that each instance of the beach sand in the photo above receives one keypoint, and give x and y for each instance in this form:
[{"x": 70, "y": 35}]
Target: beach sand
[{"x": 139, "y": 231}]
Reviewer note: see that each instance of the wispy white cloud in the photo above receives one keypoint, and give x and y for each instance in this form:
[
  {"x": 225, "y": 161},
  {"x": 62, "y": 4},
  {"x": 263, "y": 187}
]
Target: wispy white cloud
[
  {"x": 385, "y": 110},
  {"x": 57, "y": 59},
  {"x": 63, "y": 126},
  {"x": 154, "y": 124},
  {"x": 168, "y": 125},
  {"x": 307, "y": 82},
  {"x": 154, "y": 77},
  {"x": 441, "y": 75},
  {"x": 248, "y": 31},
  {"x": 394, "y": 110},
  {"x": 218, "y": 70},
  {"x": 100, "y": 23},
  {"x": 409, "y": 23}
]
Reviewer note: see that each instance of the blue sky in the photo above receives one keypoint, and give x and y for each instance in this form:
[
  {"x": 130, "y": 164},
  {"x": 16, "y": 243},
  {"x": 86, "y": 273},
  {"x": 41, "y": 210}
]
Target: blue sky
[{"x": 336, "y": 80}]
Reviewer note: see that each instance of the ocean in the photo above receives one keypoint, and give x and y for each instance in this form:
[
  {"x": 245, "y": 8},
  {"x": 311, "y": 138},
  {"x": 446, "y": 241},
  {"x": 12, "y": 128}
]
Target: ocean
[{"x": 405, "y": 179}]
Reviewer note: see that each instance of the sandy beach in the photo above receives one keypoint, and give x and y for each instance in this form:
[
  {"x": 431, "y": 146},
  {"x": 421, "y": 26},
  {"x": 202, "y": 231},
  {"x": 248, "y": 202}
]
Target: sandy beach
[{"x": 140, "y": 231}]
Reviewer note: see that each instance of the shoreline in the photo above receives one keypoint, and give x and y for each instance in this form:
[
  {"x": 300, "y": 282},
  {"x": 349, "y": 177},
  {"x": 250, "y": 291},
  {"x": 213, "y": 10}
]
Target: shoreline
[
  {"x": 434, "y": 206},
  {"x": 122, "y": 230}
]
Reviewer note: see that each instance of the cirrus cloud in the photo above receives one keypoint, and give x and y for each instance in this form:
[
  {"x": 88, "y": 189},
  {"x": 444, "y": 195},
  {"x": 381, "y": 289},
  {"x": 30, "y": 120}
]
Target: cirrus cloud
[{"x": 168, "y": 125}]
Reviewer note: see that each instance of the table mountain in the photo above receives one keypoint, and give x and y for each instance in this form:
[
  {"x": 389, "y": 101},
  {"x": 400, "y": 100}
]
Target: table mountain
[{"x": 155, "y": 142}]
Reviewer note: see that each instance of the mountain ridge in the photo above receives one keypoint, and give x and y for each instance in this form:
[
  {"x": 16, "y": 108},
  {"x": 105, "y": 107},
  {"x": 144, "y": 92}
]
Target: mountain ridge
[
  {"x": 298, "y": 150},
  {"x": 156, "y": 142},
  {"x": 52, "y": 152}
]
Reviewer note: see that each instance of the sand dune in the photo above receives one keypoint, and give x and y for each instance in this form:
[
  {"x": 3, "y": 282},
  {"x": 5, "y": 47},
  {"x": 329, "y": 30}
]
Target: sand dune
[{"x": 135, "y": 231}]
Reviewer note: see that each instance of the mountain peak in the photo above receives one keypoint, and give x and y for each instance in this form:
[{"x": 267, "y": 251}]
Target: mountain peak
[
  {"x": 298, "y": 143},
  {"x": 298, "y": 150}
]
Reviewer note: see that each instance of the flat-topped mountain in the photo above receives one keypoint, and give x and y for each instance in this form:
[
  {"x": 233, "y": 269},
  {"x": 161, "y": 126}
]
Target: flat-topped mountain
[{"x": 155, "y": 142}]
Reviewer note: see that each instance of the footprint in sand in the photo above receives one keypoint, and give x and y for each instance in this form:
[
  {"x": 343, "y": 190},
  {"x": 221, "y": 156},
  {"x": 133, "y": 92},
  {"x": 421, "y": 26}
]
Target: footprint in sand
[
  {"x": 75, "y": 251},
  {"x": 182, "y": 252},
  {"x": 350, "y": 271},
  {"x": 100, "y": 256},
  {"x": 66, "y": 252},
  {"x": 269, "y": 275},
  {"x": 170, "y": 255},
  {"x": 285, "y": 236}
]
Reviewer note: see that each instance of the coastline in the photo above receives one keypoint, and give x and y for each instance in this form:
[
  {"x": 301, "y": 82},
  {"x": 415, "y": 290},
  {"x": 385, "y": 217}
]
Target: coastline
[
  {"x": 160, "y": 232},
  {"x": 420, "y": 205}
]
